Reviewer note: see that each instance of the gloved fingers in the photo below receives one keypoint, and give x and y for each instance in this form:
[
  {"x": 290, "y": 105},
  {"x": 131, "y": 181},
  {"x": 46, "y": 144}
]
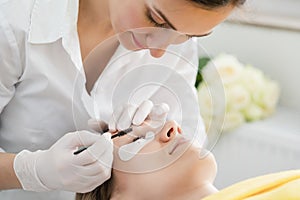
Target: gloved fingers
[
  {"x": 95, "y": 170},
  {"x": 142, "y": 112},
  {"x": 80, "y": 138},
  {"x": 103, "y": 150},
  {"x": 112, "y": 124},
  {"x": 97, "y": 125},
  {"x": 159, "y": 112},
  {"x": 84, "y": 158},
  {"x": 125, "y": 119},
  {"x": 99, "y": 151}
]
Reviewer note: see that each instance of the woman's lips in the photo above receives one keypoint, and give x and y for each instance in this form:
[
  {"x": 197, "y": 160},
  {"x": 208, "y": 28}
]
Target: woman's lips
[{"x": 176, "y": 144}]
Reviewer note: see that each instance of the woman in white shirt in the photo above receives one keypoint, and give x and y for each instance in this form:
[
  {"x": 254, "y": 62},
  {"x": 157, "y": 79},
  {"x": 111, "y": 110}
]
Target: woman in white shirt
[{"x": 44, "y": 86}]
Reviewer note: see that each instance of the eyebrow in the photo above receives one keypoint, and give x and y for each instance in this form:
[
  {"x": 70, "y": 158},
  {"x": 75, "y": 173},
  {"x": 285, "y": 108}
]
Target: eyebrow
[{"x": 173, "y": 27}]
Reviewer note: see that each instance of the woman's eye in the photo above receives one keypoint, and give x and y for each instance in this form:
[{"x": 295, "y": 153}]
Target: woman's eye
[{"x": 155, "y": 23}]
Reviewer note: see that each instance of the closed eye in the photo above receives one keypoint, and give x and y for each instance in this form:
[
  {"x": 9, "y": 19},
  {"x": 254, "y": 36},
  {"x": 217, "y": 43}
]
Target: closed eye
[
  {"x": 135, "y": 139},
  {"x": 155, "y": 23}
]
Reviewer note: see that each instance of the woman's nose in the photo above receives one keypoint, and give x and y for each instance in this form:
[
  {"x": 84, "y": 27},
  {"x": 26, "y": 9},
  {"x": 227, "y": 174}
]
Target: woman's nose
[
  {"x": 157, "y": 44},
  {"x": 157, "y": 53},
  {"x": 169, "y": 131}
]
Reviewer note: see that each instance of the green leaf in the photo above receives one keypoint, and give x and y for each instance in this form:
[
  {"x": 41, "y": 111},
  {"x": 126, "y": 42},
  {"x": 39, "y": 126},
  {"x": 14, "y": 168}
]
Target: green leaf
[{"x": 202, "y": 63}]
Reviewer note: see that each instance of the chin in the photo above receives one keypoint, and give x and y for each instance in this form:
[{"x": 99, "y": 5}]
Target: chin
[{"x": 200, "y": 161}]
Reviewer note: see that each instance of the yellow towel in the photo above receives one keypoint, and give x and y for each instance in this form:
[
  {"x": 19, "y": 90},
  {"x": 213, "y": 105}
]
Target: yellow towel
[{"x": 279, "y": 186}]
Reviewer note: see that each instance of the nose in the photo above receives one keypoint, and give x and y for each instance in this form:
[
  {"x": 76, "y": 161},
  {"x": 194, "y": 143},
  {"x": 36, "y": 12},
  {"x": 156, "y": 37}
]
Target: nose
[
  {"x": 157, "y": 53},
  {"x": 157, "y": 44},
  {"x": 169, "y": 131}
]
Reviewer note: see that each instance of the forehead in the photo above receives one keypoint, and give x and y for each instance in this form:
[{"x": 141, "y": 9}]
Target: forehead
[{"x": 189, "y": 18}]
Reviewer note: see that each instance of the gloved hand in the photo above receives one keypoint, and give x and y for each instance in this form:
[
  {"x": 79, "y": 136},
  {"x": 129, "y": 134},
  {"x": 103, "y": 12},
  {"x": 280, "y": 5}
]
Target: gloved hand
[
  {"x": 59, "y": 168},
  {"x": 128, "y": 114}
]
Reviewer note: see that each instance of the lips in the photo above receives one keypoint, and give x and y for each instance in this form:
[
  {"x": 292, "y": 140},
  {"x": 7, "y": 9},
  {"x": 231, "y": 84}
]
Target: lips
[{"x": 177, "y": 142}]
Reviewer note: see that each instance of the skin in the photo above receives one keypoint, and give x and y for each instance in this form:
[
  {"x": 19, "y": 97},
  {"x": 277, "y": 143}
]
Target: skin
[
  {"x": 185, "y": 176},
  {"x": 10, "y": 180},
  {"x": 185, "y": 17},
  {"x": 100, "y": 20}
]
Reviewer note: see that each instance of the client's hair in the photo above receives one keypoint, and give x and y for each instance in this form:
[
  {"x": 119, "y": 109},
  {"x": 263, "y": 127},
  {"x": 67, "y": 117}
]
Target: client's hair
[{"x": 102, "y": 192}]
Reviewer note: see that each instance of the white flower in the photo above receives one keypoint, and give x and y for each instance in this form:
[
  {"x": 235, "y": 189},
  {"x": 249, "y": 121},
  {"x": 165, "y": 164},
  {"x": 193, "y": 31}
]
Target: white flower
[
  {"x": 237, "y": 96},
  {"x": 211, "y": 99},
  {"x": 253, "y": 112},
  {"x": 232, "y": 120},
  {"x": 249, "y": 94},
  {"x": 225, "y": 67},
  {"x": 264, "y": 92},
  {"x": 270, "y": 97},
  {"x": 252, "y": 79}
]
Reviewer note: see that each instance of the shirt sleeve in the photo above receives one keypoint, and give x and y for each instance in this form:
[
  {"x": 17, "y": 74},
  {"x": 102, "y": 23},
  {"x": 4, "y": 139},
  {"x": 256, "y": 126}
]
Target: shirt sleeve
[{"x": 10, "y": 67}]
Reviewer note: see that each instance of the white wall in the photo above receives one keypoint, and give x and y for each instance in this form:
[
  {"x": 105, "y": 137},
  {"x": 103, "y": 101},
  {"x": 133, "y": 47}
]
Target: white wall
[{"x": 275, "y": 51}]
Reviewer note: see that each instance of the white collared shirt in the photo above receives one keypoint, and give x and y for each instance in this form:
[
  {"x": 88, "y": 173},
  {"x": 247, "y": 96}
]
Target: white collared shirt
[{"x": 42, "y": 82}]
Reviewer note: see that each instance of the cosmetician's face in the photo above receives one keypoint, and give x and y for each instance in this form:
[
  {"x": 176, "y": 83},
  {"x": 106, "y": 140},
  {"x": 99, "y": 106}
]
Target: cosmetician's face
[
  {"x": 187, "y": 18},
  {"x": 167, "y": 164}
]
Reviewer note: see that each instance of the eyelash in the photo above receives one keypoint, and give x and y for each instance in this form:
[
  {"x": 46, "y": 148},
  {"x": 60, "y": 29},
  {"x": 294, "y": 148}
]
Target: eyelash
[
  {"x": 164, "y": 25},
  {"x": 152, "y": 21},
  {"x": 189, "y": 37},
  {"x": 135, "y": 139}
]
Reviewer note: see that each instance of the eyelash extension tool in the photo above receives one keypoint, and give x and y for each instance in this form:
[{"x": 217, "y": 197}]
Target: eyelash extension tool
[{"x": 119, "y": 134}]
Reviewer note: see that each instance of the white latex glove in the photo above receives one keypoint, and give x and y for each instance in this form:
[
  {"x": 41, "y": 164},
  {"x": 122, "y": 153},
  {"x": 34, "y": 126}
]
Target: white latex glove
[
  {"x": 58, "y": 168},
  {"x": 159, "y": 112},
  {"x": 128, "y": 114}
]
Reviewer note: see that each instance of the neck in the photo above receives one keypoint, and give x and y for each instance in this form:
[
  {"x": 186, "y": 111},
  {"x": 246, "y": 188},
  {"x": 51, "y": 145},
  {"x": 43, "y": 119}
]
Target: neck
[{"x": 196, "y": 193}]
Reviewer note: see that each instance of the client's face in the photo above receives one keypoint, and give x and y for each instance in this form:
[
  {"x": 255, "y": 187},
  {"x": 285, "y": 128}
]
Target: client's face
[{"x": 165, "y": 168}]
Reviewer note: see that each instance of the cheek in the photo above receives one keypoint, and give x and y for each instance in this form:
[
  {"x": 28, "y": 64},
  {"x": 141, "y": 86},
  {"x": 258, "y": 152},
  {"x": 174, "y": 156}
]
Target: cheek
[
  {"x": 150, "y": 158},
  {"x": 131, "y": 17},
  {"x": 152, "y": 147}
]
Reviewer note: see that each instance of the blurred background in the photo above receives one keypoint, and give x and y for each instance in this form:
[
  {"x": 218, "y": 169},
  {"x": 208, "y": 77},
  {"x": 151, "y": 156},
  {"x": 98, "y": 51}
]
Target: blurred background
[{"x": 265, "y": 34}]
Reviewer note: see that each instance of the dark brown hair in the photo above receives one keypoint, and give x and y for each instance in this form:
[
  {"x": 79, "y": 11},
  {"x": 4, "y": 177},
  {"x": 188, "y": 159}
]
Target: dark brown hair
[
  {"x": 102, "y": 192},
  {"x": 213, "y": 4}
]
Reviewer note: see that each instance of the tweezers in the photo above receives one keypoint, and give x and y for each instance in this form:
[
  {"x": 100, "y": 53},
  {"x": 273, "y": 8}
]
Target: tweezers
[{"x": 119, "y": 134}]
